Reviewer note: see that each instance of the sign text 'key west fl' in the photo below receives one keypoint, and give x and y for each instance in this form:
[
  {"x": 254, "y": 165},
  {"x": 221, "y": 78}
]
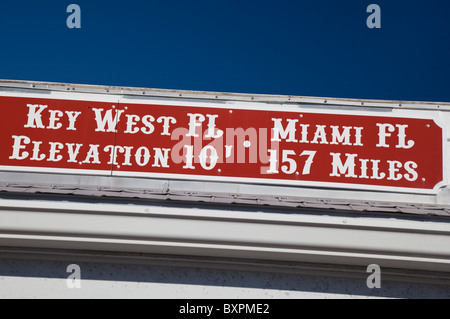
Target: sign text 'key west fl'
[{"x": 215, "y": 142}]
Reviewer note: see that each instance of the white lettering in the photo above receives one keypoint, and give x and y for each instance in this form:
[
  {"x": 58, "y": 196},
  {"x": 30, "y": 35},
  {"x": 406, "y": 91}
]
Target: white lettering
[
  {"x": 92, "y": 154},
  {"x": 343, "y": 138},
  {"x": 339, "y": 168},
  {"x": 167, "y": 121},
  {"x": 195, "y": 120},
  {"x": 18, "y": 146},
  {"x": 212, "y": 126},
  {"x": 149, "y": 128},
  {"x": 36, "y": 155},
  {"x": 394, "y": 167},
  {"x": 73, "y": 153},
  {"x": 159, "y": 157},
  {"x": 212, "y": 157},
  {"x": 72, "y": 119},
  {"x": 320, "y": 134},
  {"x": 375, "y": 170},
  {"x": 146, "y": 156},
  {"x": 304, "y": 133},
  {"x": 278, "y": 130},
  {"x": 55, "y": 148},
  {"x": 55, "y": 116},
  {"x": 382, "y": 134},
  {"x": 106, "y": 120},
  {"x": 358, "y": 136},
  {"x": 189, "y": 157},
  {"x": 35, "y": 117},
  {"x": 127, "y": 154},
  {"x": 402, "y": 137},
  {"x": 131, "y": 123},
  {"x": 410, "y": 168},
  {"x": 112, "y": 154},
  {"x": 363, "y": 168}
]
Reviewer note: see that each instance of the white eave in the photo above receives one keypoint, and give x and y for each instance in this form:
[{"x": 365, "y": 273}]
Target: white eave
[
  {"x": 201, "y": 95},
  {"x": 255, "y": 235}
]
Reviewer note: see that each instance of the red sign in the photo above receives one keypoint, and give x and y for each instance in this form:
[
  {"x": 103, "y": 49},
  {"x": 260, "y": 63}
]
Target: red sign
[{"x": 219, "y": 143}]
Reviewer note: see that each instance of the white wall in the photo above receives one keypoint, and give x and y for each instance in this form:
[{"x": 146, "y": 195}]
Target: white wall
[{"x": 47, "y": 279}]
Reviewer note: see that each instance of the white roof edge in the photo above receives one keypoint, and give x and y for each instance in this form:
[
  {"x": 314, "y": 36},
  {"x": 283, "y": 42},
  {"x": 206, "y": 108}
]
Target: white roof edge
[{"x": 187, "y": 94}]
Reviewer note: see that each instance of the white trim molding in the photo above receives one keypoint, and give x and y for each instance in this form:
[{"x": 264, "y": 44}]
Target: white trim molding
[{"x": 225, "y": 232}]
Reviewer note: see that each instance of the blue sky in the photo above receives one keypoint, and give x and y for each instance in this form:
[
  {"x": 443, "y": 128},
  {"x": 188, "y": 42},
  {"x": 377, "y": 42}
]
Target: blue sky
[{"x": 293, "y": 47}]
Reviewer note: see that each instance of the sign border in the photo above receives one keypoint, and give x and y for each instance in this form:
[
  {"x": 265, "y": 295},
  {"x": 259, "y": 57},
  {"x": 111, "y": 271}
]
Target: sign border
[{"x": 122, "y": 100}]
